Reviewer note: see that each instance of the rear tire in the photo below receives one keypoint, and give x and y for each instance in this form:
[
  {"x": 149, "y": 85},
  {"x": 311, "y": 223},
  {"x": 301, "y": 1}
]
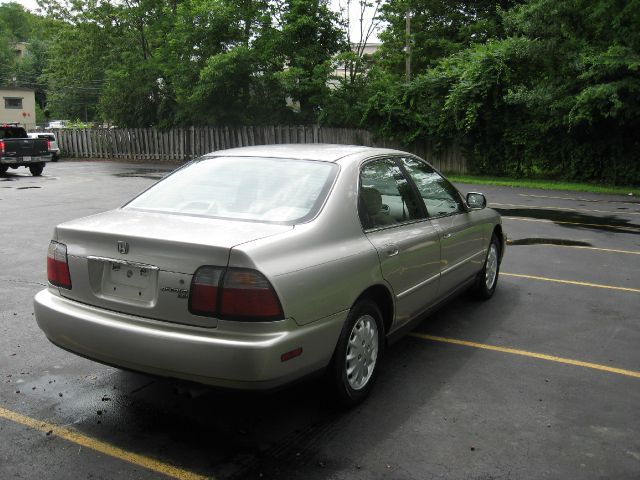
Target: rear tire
[
  {"x": 354, "y": 367},
  {"x": 55, "y": 157},
  {"x": 36, "y": 170},
  {"x": 3, "y": 169},
  {"x": 488, "y": 277}
]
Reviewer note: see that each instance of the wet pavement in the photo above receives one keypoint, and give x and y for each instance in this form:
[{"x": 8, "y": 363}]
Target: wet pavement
[{"x": 439, "y": 410}]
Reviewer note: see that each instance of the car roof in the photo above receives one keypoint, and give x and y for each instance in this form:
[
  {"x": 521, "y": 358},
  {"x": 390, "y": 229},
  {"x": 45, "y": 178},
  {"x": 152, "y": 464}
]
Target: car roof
[{"x": 304, "y": 151}]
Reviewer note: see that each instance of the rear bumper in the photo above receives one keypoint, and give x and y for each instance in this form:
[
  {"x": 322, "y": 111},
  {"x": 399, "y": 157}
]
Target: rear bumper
[
  {"x": 23, "y": 162},
  {"x": 235, "y": 354}
]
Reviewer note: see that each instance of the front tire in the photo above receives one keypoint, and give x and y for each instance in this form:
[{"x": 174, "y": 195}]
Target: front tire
[
  {"x": 354, "y": 367},
  {"x": 36, "y": 170},
  {"x": 487, "y": 280}
]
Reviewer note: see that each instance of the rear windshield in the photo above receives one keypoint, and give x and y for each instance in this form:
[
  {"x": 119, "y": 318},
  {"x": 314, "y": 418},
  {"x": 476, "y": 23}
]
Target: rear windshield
[
  {"x": 13, "y": 132},
  {"x": 273, "y": 190}
]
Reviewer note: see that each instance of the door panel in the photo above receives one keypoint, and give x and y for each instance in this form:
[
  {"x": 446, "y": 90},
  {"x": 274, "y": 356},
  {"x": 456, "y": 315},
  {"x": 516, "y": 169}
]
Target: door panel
[
  {"x": 407, "y": 243},
  {"x": 462, "y": 251},
  {"x": 410, "y": 261}
]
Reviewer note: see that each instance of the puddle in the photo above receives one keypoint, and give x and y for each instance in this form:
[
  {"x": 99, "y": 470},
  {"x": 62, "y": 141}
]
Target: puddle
[
  {"x": 151, "y": 173},
  {"x": 548, "y": 241},
  {"x": 574, "y": 219}
]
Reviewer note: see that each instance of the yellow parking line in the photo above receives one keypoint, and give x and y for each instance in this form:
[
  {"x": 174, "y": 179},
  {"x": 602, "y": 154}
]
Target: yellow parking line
[
  {"x": 571, "y": 282},
  {"x": 563, "y": 209},
  {"x": 525, "y": 353},
  {"x": 99, "y": 446},
  {"x": 544, "y": 220},
  {"x": 612, "y": 250}
]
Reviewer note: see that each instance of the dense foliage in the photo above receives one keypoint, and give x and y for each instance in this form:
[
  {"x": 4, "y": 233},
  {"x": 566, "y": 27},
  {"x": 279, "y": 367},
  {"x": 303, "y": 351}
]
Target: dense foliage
[{"x": 529, "y": 88}]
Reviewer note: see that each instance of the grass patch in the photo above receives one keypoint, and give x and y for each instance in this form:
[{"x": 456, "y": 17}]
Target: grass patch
[{"x": 543, "y": 184}]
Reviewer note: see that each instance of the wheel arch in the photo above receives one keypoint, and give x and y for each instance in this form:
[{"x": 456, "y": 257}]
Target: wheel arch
[
  {"x": 498, "y": 232},
  {"x": 381, "y": 295}
]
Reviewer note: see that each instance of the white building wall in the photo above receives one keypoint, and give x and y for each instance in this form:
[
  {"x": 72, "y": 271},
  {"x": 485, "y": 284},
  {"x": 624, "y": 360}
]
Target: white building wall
[{"x": 18, "y": 105}]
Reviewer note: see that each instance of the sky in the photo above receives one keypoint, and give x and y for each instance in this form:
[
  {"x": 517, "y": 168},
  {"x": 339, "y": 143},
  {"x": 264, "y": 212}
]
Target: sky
[{"x": 335, "y": 5}]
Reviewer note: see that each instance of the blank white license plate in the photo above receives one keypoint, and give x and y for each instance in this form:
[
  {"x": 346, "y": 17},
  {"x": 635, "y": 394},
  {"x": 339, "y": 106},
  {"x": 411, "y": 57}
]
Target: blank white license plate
[
  {"x": 26, "y": 159},
  {"x": 130, "y": 276}
]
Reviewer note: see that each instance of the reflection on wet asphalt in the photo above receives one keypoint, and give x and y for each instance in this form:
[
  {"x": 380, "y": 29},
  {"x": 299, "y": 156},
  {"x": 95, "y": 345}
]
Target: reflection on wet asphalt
[
  {"x": 574, "y": 219},
  {"x": 548, "y": 241},
  {"x": 204, "y": 429},
  {"x": 151, "y": 173}
]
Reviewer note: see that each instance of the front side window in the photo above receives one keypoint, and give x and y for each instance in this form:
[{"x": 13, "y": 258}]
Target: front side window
[
  {"x": 386, "y": 197},
  {"x": 273, "y": 190},
  {"x": 13, "y": 103},
  {"x": 440, "y": 197}
]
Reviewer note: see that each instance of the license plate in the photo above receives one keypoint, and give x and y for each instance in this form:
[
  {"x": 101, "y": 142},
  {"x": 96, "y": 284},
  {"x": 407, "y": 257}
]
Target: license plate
[
  {"x": 129, "y": 275},
  {"x": 26, "y": 159}
]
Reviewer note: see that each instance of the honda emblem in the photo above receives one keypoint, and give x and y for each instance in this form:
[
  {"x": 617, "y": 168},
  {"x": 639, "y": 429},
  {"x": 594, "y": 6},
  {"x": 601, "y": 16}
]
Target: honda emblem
[{"x": 123, "y": 247}]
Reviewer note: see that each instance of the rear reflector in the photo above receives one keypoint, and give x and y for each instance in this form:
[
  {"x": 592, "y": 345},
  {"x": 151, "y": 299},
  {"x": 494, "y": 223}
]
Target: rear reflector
[
  {"x": 233, "y": 294},
  {"x": 292, "y": 354},
  {"x": 57, "y": 266}
]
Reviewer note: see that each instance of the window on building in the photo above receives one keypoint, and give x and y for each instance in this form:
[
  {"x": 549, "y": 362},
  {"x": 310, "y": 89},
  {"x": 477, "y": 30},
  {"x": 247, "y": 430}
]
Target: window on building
[{"x": 13, "y": 102}]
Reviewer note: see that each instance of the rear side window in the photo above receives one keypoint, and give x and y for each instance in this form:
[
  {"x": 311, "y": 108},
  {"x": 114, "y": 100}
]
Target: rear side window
[
  {"x": 273, "y": 190},
  {"x": 13, "y": 132},
  {"x": 386, "y": 198}
]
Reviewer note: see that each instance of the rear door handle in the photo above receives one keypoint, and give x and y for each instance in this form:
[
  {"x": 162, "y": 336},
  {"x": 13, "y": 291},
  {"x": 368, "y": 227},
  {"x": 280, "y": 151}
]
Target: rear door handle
[{"x": 391, "y": 249}]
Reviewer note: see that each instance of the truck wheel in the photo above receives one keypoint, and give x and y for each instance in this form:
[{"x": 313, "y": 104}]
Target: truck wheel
[
  {"x": 36, "y": 170},
  {"x": 55, "y": 157},
  {"x": 3, "y": 169}
]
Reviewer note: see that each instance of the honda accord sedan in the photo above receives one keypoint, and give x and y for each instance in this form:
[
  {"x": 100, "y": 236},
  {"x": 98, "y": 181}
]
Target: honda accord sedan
[{"x": 253, "y": 267}]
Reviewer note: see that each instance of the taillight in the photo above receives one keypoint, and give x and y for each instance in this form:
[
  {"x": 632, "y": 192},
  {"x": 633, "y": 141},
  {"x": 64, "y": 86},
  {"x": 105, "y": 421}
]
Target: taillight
[
  {"x": 57, "y": 266},
  {"x": 1, "y": 146},
  {"x": 49, "y": 144},
  {"x": 233, "y": 294},
  {"x": 203, "y": 299}
]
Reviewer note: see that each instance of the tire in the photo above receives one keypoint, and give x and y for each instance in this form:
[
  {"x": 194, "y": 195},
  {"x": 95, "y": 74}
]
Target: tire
[
  {"x": 354, "y": 369},
  {"x": 36, "y": 170},
  {"x": 487, "y": 280},
  {"x": 3, "y": 169},
  {"x": 55, "y": 157}
]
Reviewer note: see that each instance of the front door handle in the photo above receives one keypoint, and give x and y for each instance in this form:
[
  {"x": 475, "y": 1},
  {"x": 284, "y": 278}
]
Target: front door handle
[{"x": 391, "y": 250}]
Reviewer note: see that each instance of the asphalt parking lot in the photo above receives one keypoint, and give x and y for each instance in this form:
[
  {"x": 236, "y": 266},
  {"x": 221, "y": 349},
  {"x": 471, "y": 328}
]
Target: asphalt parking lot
[{"x": 542, "y": 381}]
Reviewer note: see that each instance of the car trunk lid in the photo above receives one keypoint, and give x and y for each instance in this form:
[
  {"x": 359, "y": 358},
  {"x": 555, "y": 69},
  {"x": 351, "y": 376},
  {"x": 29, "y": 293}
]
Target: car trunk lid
[{"x": 141, "y": 263}]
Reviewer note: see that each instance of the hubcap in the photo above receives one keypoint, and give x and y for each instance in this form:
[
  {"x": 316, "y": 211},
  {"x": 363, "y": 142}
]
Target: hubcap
[
  {"x": 491, "y": 267},
  {"x": 362, "y": 352}
]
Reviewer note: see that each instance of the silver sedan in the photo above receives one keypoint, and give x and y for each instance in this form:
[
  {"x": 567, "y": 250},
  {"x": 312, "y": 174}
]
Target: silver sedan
[{"x": 252, "y": 267}]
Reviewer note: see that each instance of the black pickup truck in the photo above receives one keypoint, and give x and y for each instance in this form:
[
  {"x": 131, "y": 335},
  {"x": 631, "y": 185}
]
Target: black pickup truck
[{"x": 18, "y": 150}]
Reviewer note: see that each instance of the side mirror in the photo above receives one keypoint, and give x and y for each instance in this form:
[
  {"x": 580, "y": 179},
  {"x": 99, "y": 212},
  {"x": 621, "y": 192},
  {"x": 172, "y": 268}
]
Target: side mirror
[{"x": 476, "y": 201}]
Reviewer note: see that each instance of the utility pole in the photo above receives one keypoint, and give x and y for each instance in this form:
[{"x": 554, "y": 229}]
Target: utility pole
[{"x": 407, "y": 47}]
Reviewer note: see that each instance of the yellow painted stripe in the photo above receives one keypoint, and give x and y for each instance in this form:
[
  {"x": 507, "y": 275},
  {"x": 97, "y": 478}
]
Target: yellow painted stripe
[
  {"x": 100, "y": 446},
  {"x": 612, "y": 250},
  {"x": 544, "y": 220},
  {"x": 563, "y": 209},
  {"x": 571, "y": 282},
  {"x": 525, "y": 353}
]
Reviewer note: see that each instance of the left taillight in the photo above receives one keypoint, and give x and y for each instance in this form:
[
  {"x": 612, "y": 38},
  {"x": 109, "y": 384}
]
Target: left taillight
[
  {"x": 57, "y": 265},
  {"x": 234, "y": 294},
  {"x": 1, "y": 146}
]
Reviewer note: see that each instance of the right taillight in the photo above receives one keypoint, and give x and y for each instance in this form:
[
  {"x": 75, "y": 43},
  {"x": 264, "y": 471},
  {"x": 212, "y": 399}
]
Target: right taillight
[
  {"x": 57, "y": 266},
  {"x": 234, "y": 294}
]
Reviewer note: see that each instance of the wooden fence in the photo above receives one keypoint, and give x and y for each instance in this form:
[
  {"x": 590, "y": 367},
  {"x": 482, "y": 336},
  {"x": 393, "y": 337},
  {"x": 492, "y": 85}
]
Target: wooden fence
[{"x": 183, "y": 144}]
